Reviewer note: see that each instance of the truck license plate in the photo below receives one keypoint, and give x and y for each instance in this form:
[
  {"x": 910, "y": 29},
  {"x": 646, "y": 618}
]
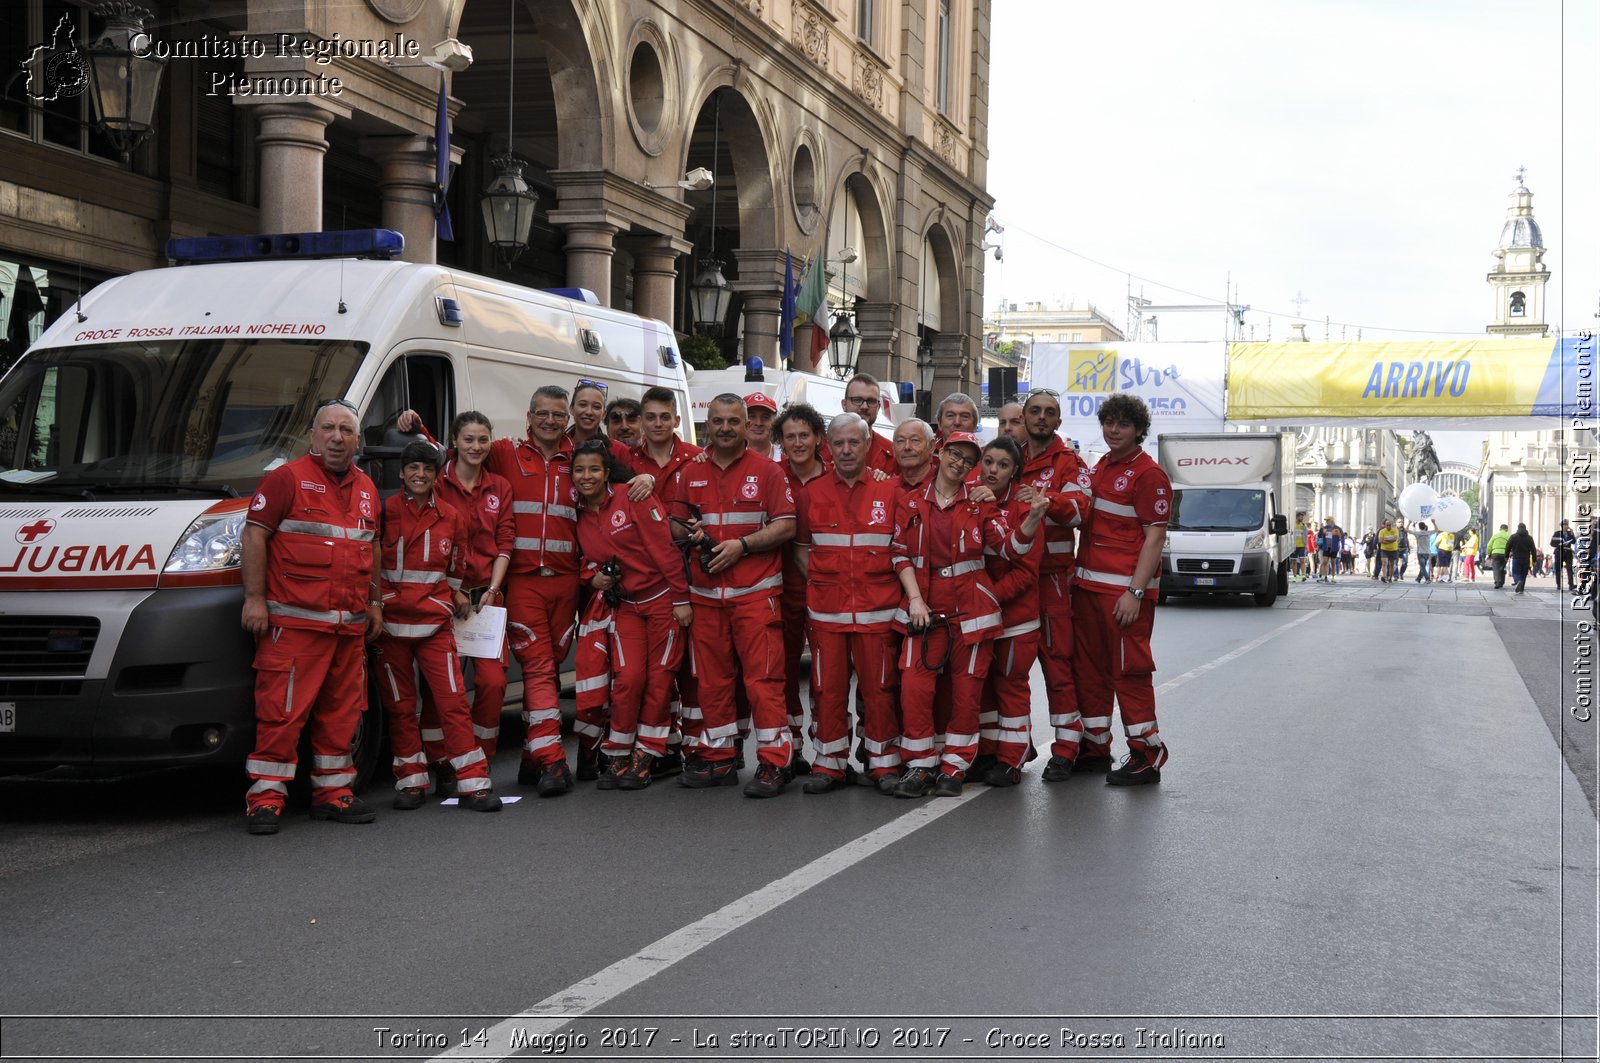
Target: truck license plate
[
  {"x": 8, "y": 716},
  {"x": 1205, "y": 581}
]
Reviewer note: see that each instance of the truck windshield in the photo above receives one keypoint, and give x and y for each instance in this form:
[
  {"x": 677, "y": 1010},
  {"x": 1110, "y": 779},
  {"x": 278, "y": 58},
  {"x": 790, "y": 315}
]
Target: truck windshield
[
  {"x": 1217, "y": 509},
  {"x": 204, "y": 415}
]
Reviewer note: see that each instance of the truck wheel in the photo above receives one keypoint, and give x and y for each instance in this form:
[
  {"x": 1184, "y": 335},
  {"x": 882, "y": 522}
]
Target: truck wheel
[{"x": 1283, "y": 577}]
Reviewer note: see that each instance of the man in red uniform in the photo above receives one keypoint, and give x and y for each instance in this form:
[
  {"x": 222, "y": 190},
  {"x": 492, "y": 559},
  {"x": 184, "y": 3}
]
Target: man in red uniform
[
  {"x": 739, "y": 504},
  {"x": 310, "y": 598},
  {"x": 1114, "y": 596},
  {"x": 802, "y": 435},
  {"x": 913, "y": 452},
  {"x": 1012, "y": 424},
  {"x": 864, "y": 398},
  {"x": 1052, "y": 468},
  {"x": 421, "y": 595},
  {"x": 622, "y": 421},
  {"x": 956, "y": 413},
  {"x": 763, "y": 412},
  {"x": 852, "y": 595}
]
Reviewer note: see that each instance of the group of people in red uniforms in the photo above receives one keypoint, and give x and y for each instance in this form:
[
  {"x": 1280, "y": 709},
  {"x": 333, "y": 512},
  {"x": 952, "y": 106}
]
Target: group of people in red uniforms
[{"x": 932, "y": 570}]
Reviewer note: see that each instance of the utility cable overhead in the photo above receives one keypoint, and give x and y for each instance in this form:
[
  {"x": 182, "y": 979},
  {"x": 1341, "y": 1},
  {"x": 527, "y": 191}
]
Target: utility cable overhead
[{"x": 1213, "y": 299}]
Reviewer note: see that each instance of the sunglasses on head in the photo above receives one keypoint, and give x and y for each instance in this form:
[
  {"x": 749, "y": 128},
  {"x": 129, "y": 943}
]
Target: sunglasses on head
[{"x": 597, "y": 385}]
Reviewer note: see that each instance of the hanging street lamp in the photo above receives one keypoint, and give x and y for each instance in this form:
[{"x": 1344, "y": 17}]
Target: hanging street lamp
[{"x": 123, "y": 81}]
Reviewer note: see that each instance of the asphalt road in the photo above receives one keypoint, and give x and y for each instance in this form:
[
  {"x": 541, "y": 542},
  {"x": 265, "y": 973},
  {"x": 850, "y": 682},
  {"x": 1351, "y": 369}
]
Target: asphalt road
[{"x": 1371, "y": 840}]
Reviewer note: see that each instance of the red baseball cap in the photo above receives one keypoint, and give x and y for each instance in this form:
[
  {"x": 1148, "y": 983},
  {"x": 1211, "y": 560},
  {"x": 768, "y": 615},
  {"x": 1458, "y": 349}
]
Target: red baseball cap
[
  {"x": 963, "y": 437},
  {"x": 761, "y": 399}
]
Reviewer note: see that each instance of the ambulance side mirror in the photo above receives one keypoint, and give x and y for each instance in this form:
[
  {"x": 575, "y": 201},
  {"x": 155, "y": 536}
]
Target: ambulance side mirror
[{"x": 1280, "y": 524}]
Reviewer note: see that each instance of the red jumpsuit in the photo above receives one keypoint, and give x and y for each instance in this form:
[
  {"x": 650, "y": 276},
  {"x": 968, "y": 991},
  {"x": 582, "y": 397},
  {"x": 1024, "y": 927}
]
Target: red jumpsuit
[
  {"x": 1003, "y": 725},
  {"x": 945, "y": 546},
  {"x": 488, "y": 534},
  {"x": 794, "y": 612},
  {"x": 311, "y": 666},
  {"x": 645, "y": 643},
  {"x": 1062, "y": 475},
  {"x": 421, "y": 566},
  {"x": 852, "y": 598},
  {"x": 880, "y": 455},
  {"x": 737, "y": 608},
  {"x": 1111, "y": 661},
  {"x": 684, "y": 693},
  {"x": 542, "y": 591}
]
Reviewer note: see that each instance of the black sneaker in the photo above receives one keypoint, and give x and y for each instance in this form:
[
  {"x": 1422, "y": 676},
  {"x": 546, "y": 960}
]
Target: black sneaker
[
  {"x": 823, "y": 784},
  {"x": 264, "y": 819},
  {"x": 1002, "y": 775},
  {"x": 633, "y": 773},
  {"x": 886, "y": 784},
  {"x": 1093, "y": 762},
  {"x": 769, "y": 781},
  {"x": 481, "y": 801},
  {"x": 916, "y": 782},
  {"x": 703, "y": 774},
  {"x": 662, "y": 767},
  {"x": 947, "y": 785},
  {"x": 346, "y": 809},
  {"x": 799, "y": 765},
  {"x": 409, "y": 799},
  {"x": 529, "y": 773},
  {"x": 981, "y": 765},
  {"x": 1057, "y": 769},
  {"x": 556, "y": 780},
  {"x": 1135, "y": 771},
  {"x": 444, "y": 779}
]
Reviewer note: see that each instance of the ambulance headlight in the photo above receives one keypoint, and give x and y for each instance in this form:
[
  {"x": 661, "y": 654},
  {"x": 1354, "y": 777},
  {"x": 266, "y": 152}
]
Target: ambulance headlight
[
  {"x": 214, "y": 541},
  {"x": 1256, "y": 541}
]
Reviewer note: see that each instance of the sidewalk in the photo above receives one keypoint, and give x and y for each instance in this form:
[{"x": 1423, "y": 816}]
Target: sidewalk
[{"x": 1362, "y": 593}]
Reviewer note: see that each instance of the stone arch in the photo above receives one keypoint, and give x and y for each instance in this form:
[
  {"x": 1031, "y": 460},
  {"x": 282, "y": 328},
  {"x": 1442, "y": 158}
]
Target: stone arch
[
  {"x": 746, "y": 136},
  {"x": 873, "y": 271},
  {"x": 573, "y": 39},
  {"x": 946, "y": 266}
]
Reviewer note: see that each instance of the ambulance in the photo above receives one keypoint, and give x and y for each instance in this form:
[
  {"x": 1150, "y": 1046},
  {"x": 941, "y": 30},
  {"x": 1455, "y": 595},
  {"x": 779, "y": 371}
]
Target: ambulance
[
  {"x": 785, "y": 386},
  {"x": 134, "y": 432}
]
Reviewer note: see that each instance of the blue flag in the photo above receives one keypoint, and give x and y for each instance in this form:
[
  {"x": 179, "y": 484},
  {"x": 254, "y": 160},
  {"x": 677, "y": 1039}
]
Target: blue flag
[
  {"x": 786, "y": 319},
  {"x": 441, "y": 173}
]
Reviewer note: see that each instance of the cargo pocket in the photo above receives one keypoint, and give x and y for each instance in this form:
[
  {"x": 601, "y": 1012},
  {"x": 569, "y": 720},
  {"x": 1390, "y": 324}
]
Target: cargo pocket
[
  {"x": 1134, "y": 657},
  {"x": 275, "y": 678}
]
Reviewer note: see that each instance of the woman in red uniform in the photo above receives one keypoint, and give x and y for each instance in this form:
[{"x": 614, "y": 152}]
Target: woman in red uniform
[
  {"x": 651, "y": 607},
  {"x": 952, "y": 617},
  {"x": 1003, "y": 731},
  {"x": 482, "y": 501}
]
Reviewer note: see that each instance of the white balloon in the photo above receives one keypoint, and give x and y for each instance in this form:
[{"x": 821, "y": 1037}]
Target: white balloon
[
  {"x": 1451, "y": 514},
  {"x": 1417, "y": 501}
]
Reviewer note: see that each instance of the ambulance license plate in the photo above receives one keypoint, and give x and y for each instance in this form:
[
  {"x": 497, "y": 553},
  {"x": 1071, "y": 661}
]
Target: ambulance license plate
[
  {"x": 1205, "y": 581},
  {"x": 8, "y": 716}
]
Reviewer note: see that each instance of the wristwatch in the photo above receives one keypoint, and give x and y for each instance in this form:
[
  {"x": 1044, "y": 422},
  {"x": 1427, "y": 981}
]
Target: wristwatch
[{"x": 1137, "y": 593}]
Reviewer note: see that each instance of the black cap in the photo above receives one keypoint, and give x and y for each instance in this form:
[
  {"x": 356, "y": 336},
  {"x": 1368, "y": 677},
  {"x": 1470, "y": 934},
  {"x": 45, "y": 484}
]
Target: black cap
[{"x": 420, "y": 450}]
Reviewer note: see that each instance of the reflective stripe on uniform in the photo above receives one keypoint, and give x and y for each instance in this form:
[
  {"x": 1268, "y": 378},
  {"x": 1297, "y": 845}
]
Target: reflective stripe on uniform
[
  {"x": 846, "y": 540},
  {"x": 329, "y": 531},
  {"x": 411, "y": 631},
  {"x": 723, "y": 593},
  {"x": 960, "y": 568},
  {"x": 271, "y": 768},
  {"x": 714, "y": 520},
  {"x": 412, "y": 575},
  {"x": 1118, "y": 508},
  {"x": 869, "y": 616},
  {"x": 326, "y": 616},
  {"x": 554, "y": 546},
  {"x": 1113, "y": 579}
]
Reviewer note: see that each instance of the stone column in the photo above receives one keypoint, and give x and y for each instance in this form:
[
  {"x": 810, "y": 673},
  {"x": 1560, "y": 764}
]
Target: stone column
[
  {"x": 875, "y": 322},
  {"x": 655, "y": 272},
  {"x": 949, "y": 367},
  {"x": 761, "y": 283},
  {"x": 591, "y": 241},
  {"x": 406, "y": 189},
  {"x": 293, "y": 140}
]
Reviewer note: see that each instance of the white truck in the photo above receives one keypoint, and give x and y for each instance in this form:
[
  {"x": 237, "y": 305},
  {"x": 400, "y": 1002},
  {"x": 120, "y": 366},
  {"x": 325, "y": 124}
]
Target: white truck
[
  {"x": 1229, "y": 532},
  {"x": 134, "y": 432}
]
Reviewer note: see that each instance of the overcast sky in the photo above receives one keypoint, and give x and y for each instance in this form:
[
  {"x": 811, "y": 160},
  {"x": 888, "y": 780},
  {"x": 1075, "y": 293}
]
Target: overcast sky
[{"x": 1360, "y": 154}]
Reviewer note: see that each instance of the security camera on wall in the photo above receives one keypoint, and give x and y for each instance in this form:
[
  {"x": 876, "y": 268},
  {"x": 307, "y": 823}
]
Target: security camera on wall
[{"x": 697, "y": 180}]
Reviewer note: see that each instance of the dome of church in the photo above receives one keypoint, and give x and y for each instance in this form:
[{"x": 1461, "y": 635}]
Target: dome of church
[{"x": 1521, "y": 232}]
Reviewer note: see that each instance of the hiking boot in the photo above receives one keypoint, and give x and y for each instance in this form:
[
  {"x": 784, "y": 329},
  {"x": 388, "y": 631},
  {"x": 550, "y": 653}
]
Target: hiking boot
[
  {"x": 408, "y": 799},
  {"x": 1135, "y": 771},
  {"x": 981, "y": 765},
  {"x": 886, "y": 784},
  {"x": 264, "y": 819},
  {"x": 606, "y": 776},
  {"x": 916, "y": 782},
  {"x": 823, "y": 784},
  {"x": 556, "y": 780},
  {"x": 444, "y": 779},
  {"x": 662, "y": 767},
  {"x": 1057, "y": 769},
  {"x": 529, "y": 773},
  {"x": 634, "y": 772},
  {"x": 799, "y": 765},
  {"x": 703, "y": 774},
  {"x": 947, "y": 785},
  {"x": 1092, "y": 762},
  {"x": 481, "y": 801},
  {"x": 769, "y": 781},
  {"x": 346, "y": 809},
  {"x": 1003, "y": 775},
  {"x": 592, "y": 763}
]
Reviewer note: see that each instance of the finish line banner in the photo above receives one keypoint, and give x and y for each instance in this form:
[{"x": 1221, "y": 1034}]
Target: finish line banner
[
  {"x": 1180, "y": 382},
  {"x": 1471, "y": 383}
]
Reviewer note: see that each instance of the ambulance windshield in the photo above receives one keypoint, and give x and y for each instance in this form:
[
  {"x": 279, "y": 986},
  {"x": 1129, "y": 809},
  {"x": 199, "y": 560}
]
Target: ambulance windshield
[
  {"x": 1217, "y": 509},
  {"x": 205, "y": 415}
]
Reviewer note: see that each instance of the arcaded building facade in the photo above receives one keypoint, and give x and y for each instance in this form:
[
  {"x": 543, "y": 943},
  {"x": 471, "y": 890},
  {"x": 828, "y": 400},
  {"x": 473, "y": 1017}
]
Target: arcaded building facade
[{"x": 826, "y": 125}]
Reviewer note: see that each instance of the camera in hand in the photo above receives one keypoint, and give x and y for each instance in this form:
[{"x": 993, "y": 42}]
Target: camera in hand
[{"x": 613, "y": 593}]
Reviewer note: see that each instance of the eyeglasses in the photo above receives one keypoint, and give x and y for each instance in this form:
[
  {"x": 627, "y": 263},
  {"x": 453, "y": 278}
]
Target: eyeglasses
[
  {"x": 1044, "y": 391},
  {"x": 958, "y": 455},
  {"x": 346, "y": 403},
  {"x": 597, "y": 385},
  {"x": 861, "y": 400}
]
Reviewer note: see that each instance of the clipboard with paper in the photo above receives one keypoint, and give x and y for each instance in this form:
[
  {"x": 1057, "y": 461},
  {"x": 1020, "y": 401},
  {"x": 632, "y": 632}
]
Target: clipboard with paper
[{"x": 482, "y": 632}]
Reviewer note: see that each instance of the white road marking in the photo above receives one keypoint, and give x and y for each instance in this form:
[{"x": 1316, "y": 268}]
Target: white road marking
[
  {"x": 559, "y": 1009},
  {"x": 580, "y": 998},
  {"x": 1195, "y": 673}
]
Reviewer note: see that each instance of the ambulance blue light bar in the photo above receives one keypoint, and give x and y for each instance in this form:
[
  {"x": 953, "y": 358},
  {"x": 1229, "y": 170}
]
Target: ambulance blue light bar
[
  {"x": 582, "y": 295},
  {"x": 347, "y": 243}
]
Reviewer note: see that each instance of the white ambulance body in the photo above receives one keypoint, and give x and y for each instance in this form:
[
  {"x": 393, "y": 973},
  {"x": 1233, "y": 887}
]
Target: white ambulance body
[
  {"x": 823, "y": 393},
  {"x": 134, "y": 432}
]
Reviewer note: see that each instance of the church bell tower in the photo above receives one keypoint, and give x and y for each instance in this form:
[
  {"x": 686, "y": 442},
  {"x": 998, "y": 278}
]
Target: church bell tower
[{"x": 1519, "y": 273}]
